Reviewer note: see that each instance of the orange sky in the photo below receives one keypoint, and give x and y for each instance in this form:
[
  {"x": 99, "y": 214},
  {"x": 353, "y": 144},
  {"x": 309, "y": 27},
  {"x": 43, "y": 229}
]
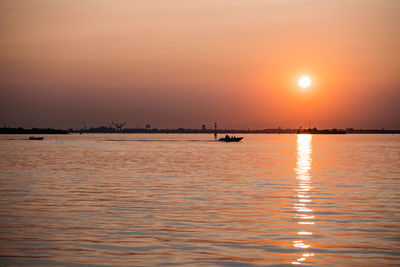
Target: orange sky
[{"x": 186, "y": 63}]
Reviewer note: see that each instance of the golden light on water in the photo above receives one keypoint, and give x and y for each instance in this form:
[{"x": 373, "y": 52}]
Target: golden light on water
[
  {"x": 303, "y": 211},
  {"x": 304, "y": 233},
  {"x": 300, "y": 244},
  {"x": 306, "y": 222},
  {"x": 307, "y": 217}
]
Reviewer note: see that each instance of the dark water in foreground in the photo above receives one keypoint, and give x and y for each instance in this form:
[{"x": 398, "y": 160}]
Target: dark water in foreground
[{"x": 272, "y": 200}]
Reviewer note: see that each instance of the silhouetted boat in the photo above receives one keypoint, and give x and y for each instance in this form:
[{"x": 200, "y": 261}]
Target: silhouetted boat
[
  {"x": 35, "y": 138},
  {"x": 228, "y": 138}
]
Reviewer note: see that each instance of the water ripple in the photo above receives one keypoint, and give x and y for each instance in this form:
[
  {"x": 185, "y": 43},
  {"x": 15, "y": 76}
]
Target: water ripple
[{"x": 272, "y": 200}]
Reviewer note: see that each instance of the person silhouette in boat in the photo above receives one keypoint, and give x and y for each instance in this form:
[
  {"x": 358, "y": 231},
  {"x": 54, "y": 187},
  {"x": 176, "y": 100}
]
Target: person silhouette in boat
[{"x": 227, "y": 137}]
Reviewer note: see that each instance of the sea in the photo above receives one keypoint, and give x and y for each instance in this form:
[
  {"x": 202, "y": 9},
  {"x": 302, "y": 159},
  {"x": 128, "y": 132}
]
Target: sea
[{"x": 188, "y": 200}]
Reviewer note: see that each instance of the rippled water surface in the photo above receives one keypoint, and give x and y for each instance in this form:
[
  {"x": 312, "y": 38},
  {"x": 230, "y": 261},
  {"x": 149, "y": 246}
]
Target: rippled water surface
[{"x": 169, "y": 200}]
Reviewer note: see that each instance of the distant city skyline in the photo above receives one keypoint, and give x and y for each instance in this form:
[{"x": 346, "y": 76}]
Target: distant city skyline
[{"x": 176, "y": 63}]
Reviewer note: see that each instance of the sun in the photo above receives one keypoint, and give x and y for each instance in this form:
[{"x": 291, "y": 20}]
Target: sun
[{"x": 304, "y": 82}]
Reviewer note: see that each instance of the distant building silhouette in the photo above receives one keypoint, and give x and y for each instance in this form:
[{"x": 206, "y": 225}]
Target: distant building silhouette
[{"x": 119, "y": 125}]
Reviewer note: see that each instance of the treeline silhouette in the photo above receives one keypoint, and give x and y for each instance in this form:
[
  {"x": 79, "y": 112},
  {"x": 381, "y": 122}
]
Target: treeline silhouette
[
  {"x": 106, "y": 129},
  {"x": 19, "y": 130}
]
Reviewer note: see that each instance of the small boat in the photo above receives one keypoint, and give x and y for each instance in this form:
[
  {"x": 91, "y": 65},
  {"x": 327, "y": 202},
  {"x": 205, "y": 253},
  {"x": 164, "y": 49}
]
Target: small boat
[
  {"x": 228, "y": 138},
  {"x": 35, "y": 138}
]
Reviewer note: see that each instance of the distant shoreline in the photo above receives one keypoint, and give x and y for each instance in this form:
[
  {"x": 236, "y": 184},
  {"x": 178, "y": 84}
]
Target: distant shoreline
[
  {"x": 110, "y": 130},
  {"x": 32, "y": 131}
]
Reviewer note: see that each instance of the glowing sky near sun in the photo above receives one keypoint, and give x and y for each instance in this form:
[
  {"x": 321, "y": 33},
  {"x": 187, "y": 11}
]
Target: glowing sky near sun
[{"x": 178, "y": 63}]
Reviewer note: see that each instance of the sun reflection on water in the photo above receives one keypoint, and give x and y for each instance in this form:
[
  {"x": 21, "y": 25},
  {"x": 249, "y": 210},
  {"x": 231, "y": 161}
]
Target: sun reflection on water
[{"x": 303, "y": 211}]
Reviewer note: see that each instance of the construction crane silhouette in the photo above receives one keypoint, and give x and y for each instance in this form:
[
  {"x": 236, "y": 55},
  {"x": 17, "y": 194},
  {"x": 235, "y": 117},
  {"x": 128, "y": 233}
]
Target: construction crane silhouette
[{"x": 119, "y": 125}]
